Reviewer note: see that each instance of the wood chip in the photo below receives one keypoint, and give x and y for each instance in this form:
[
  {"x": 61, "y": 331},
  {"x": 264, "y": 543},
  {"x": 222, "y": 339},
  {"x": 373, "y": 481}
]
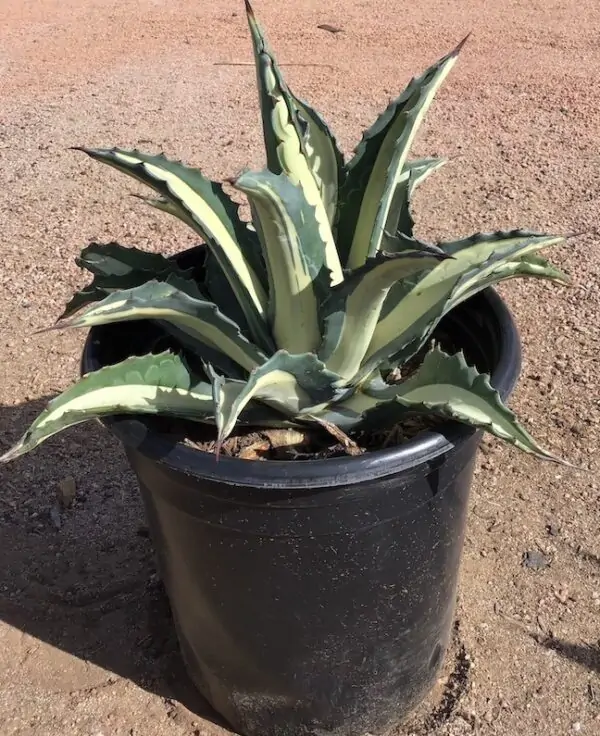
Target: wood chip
[
  {"x": 285, "y": 437},
  {"x": 349, "y": 445},
  {"x": 66, "y": 491},
  {"x": 330, "y": 29},
  {"x": 254, "y": 451},
  {"x": 273, "y": 439}
]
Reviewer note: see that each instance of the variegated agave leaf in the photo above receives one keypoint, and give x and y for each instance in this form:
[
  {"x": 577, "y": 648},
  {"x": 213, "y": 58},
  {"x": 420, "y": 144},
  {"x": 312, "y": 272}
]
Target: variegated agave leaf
[
  {"x": 295, "y": 256},
  {"x": 515, "y": 256},
  {"x": 317, "y": 142},
  {"x": 218, "y": 289},
  {"x": 203, "y": 205},
  {"x": 113, "y": 259},
  {"x": 151, "y": 384},
  {"x": 446, "y": 385},
  {"x": 215, "y": 280},
  {"x": 419, "y": 304},
  {"x": 399, "y": 218},
  {"x": 377, "y": 167},
  {"x": 285, "y": 135},
  {"x": 323, "y": 154},
  {"x": 498, "y": 265},
  {"x": 171, "y": 302},
  {"x": 295, "y": 385},
  {"x": 352, "y": 311},
  {"x": 402, "y": 243},
  {"x": 525, "y": 266},
  {"x": 115, "y": 267},
  {"x": 157, "y": 384}
]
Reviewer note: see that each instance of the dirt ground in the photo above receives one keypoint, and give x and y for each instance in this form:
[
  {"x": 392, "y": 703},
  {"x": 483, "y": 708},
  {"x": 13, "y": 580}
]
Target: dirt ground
[{"x": 86, "y": 645}]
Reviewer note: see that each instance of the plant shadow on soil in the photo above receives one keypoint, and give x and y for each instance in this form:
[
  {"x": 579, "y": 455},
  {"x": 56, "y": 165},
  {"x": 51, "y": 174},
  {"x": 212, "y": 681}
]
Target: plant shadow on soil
[
  {"x": 586, "y": 655},
  {"x": 83, "y": 578}
]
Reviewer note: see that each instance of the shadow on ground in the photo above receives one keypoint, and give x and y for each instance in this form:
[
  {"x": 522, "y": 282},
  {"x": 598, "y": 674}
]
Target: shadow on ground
[
  {"x": 83, "y": 578},
  {"x": 586, "y": 655}
]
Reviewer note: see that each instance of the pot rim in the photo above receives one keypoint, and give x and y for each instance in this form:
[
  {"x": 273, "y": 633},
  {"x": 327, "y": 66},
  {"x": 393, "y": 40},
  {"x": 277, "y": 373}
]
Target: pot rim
[{"x": 321, "y": 473}]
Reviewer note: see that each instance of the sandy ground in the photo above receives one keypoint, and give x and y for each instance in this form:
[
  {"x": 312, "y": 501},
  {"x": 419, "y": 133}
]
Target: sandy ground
[{"x": 86, "y": 647}]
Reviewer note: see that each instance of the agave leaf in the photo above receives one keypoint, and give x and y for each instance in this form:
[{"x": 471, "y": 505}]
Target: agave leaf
[
  {"x": 294, "y": 385},
  {"x": 419, "y": 304},
  {"x": 353, "y": 309},
  {"x": 204, "y": 205},
  {"x": 316, "y": 140},
  {"x": 171, "y": 302},
  {"x": 351, "y": 412},
  {"x": 399, "y": 218},
  {"x": 165, "y": 205},
  {"x": 496, "y": 269},
  {"x": 113, "y": 259},
  {"x": 446, "y": 385},
  {"x": 393, "y": 211},
  {"x": 225, "y": 392},
  {"x": 373, "y": 172},
  {"x": 247, "y": 238},
  {"x": 295, "y": 256},
  {"x": 115, "y": 267},
  {"x": 534, "y": 264},
  {"x": 215, "y": 280},
  {"x": 401, "y": 243},
  {"x": 260, "y": 48},
  {"x": 317, "y": 143},
  {"x": 285, "y": 140},
  {"x": 421, "y": 169},
  {"x": 528, "y": 265},
  {"x": 219, "y": 290},
  {"x": 151, "y": 384},
  {"x": 199, "y": 202},
  {"x": 324, "y": 156}
]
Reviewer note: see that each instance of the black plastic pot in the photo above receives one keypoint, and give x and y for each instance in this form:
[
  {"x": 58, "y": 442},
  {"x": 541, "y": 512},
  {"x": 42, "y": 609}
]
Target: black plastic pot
[{"x": 314, "y": 597}]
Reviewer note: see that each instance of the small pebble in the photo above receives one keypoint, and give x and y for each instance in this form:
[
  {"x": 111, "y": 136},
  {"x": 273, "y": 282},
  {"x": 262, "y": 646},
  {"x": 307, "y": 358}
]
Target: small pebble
[
  {"x": 535, "y": 560},
  {"x": 55, "y": 517}
]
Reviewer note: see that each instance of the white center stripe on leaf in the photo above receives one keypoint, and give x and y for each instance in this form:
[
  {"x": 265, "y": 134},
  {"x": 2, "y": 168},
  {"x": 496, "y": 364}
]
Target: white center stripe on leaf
[
  {"x": 198, "y": 209},
  {"x": 132, "y": 397}
]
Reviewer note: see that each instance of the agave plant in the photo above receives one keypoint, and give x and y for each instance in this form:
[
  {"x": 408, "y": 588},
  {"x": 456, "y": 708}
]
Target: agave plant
[{"x": 301, "y": 316}]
